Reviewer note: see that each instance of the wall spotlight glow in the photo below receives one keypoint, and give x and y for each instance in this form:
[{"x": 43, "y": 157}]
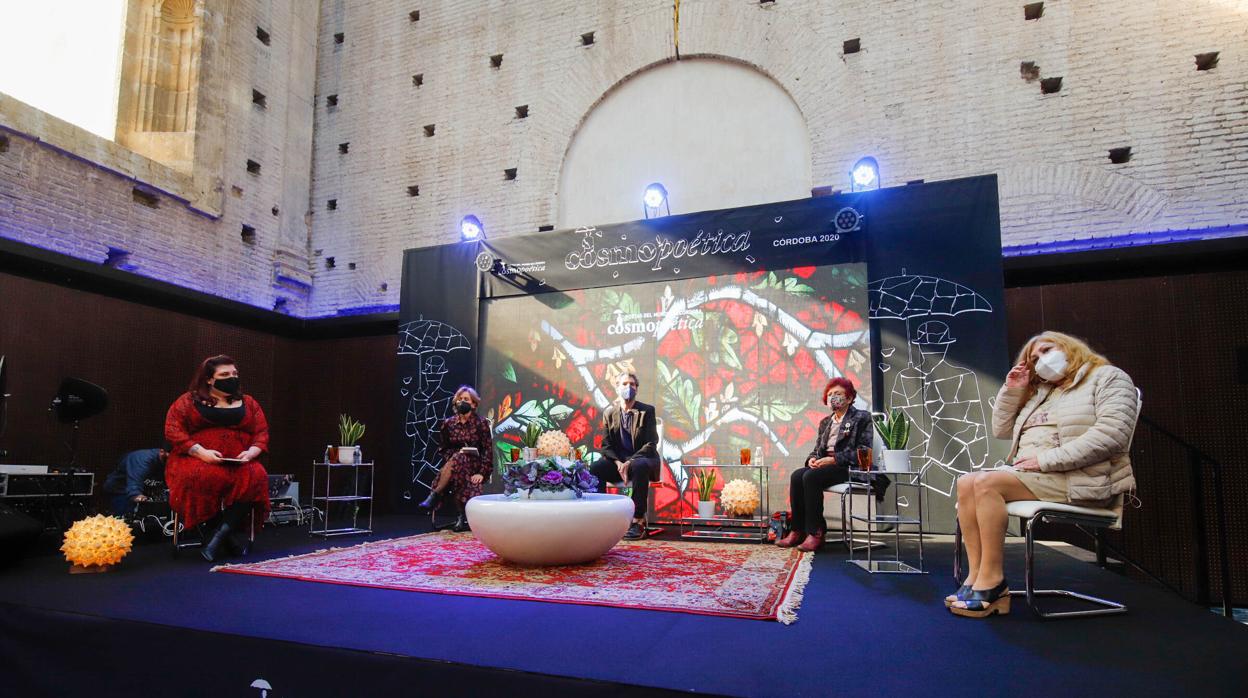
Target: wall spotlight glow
[
  {"x": 865, "y": 175},
  {"x": 655, "y": 198},
  {"x": 470, "y": 228}
]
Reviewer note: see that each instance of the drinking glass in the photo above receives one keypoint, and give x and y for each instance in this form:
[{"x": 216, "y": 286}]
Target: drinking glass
[
  {"x": 745, "y": 456},
  {"x": 864, "y": 458}
]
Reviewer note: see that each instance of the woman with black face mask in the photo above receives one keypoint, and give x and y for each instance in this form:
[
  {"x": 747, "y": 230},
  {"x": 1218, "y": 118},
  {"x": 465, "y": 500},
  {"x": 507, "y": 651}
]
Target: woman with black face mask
[
  {"x": 217, "y": 433},
  {"x": 467, "y": 453}
]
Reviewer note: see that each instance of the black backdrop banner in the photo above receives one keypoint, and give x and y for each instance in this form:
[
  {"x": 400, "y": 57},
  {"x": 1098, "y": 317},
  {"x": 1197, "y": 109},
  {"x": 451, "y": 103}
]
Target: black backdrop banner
[{"x": 933, "y": 253}]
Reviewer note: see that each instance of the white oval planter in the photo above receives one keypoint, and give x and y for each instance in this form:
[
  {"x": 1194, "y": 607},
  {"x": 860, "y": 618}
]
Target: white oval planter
[
  {"x": 897, "y": 461},
  {"x": 541, "y": 494},
  {"x": 537, "y": 533},
  {"x": 346, "y": 454},
  {"x": 706, "y": 510}
]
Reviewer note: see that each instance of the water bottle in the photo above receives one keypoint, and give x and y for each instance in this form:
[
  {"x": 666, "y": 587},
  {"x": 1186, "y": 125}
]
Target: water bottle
[
  {"x": 358, "y": 457},
  {"x": 325, "y": 458}
]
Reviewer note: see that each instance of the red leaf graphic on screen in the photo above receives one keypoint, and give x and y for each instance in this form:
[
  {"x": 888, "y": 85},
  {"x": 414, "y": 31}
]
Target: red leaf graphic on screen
[
  {"x": 597, "y": 442},
  {"x": 804, "y": 272},
  {"x": 692, "y": 364},
  {"x": 578, "y": 428}
]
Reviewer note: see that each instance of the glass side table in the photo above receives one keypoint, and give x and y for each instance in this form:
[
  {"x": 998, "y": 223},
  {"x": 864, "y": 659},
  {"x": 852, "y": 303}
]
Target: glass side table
[
  {"x": 873, "y": 519},
  {"x": 724, "y": 526},
  {"x": 340, "y": 491}
]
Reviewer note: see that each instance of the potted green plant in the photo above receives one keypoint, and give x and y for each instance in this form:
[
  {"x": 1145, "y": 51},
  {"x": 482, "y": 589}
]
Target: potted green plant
[
  {"x": 349, "y": 433},
  {"x": 894, "y": 430},
  {"x": 706, "y": 489},
  {"x": 532, "y": 432}
]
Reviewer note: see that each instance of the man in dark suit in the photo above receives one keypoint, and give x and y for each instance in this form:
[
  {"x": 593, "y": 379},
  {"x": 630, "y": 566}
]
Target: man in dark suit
[{"x": 629, "y": 449}]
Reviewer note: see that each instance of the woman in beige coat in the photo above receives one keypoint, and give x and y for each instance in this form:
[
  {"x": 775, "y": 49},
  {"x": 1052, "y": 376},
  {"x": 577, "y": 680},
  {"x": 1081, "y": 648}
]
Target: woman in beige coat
[{"x": 1070, "y": 415}]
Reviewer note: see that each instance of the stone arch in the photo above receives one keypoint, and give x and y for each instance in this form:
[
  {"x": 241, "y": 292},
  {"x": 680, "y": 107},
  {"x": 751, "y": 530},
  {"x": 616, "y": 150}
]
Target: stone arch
[{"x": 716, "y": 130}]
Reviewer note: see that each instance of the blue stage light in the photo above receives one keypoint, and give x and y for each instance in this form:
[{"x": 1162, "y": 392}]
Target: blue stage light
[
  {"x": 865, "y": 175},
  {"x": 654, "y": 198},
  {"x": 470, "y": 228}
]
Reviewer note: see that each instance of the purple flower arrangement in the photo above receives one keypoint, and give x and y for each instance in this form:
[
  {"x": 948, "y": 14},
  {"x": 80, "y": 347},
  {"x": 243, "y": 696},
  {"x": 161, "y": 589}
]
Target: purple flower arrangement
[{"x": 549, "y": 475}]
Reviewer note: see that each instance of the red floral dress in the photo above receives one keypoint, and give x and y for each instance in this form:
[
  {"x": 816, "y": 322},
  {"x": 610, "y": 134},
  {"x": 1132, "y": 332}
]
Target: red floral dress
[
  {"x": 199, "y": 490},
  {"x": 474, "y": 431}
]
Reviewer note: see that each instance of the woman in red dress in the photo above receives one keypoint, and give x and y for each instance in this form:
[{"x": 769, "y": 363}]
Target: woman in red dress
[
  {"x": 464, "y": 470},
  {"x": 217, "y": 434}
]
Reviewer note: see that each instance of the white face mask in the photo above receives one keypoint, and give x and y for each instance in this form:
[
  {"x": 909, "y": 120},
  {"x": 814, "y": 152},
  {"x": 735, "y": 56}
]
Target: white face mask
[
  {"x": 1051, "y": 366},
  {"x": 836, "y": 402}
]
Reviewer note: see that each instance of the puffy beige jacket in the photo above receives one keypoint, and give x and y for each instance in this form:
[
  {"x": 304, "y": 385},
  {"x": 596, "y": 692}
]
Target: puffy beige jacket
[{"x": 1095, "y": 420}]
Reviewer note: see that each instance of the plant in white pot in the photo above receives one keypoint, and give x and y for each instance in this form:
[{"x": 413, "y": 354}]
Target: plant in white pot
[
  {"x": 706, "y": 489},
  {"x": 894, "y": 430},
  {"x": 528, "y": 438},
  {"x": 349, "y": 433}
]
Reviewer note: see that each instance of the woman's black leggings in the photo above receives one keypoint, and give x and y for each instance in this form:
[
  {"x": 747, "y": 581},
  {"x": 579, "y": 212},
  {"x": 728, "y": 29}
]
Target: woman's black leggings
[{"x": 806, "y": 487}]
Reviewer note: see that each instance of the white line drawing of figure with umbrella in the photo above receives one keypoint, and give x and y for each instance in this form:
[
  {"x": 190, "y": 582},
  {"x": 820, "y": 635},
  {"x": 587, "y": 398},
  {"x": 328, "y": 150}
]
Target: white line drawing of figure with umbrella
[
  {"x": 942, "y": 400},
  {"x": 429, "y": 403}
]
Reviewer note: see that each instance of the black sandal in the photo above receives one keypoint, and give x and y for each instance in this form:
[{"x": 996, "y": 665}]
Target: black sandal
[
  {"x": 981, "y": 603},
  {"x": 959, "y": 595}
]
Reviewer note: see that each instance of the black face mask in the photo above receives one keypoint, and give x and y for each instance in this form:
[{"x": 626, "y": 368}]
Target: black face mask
[
  {"x": 463, "y": 407},
  {"x": 229, "y": 386}
]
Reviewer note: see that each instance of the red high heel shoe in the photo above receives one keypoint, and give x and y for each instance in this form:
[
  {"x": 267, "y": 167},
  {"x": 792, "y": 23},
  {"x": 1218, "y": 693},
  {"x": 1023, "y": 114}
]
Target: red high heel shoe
[
  {"x": 791, "y": 540},
  {"x": 812, "y": 543}
]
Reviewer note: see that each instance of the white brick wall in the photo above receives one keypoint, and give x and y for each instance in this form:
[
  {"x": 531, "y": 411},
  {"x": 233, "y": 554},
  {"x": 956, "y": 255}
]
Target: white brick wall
[{"x": 935, "y": 93}]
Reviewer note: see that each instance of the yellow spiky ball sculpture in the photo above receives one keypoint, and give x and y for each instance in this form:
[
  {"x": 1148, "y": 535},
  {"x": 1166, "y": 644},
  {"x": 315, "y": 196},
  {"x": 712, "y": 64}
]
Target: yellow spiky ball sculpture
[
  {"x": 553, "y": 443},
  {"x": 97, "y": 540},
  {"x": 739, "y": 497}
]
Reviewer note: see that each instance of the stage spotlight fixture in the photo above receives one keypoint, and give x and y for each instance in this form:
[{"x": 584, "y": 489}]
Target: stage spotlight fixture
[
  {"x": 655, "y": 198},
  {"x": 865, "y": 175},
  {"x": 470, "y": 229}
]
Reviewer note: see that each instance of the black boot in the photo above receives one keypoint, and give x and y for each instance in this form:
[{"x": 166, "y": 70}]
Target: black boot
[
  {"x": 433, "y": 501},
  {"x": 212, "y": 549},
  {"x": 236, "y": 516},
  {"x": 461, "y": 524}
]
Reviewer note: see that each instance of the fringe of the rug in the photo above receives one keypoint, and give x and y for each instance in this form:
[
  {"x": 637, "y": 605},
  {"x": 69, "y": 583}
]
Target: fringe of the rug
[{"x": 787, "y": 613}]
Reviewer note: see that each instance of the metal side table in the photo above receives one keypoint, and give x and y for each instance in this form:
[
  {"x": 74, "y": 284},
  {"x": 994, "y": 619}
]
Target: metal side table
[
  {"x": 873, "y": 519},
  {"x": 723, "y": 526},
  {"x": 338, "y": 490}
]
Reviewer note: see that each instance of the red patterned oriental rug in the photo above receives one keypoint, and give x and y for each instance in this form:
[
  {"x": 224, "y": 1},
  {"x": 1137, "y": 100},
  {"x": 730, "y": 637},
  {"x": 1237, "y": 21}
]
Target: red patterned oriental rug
[{"x": 760, "y": 582}]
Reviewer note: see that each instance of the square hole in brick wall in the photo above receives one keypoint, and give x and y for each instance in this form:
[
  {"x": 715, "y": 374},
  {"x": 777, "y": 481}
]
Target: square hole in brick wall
[
  {"x": 509, "y": 174},
  {"x": 545, "y": 228},
  {"x": 339, "y": 38},
  {"x": 276, "y": 211},
  {"x": 414, "y": 16},
  {"x": 344, "y": 148},
  {"x": 413, "y": 190},
  {"x": 587, "y": 39},
  {"x": 1207, "y": 61},
  {"x": 280, "y": 305},
  {"x": 418, "y": 79},
  {"x": 851, "y": 46},
  {"x": 766, "y": 2},
  {"x": 496, "y": 61},
  {"x": 253, "y": 167},
  {"x": 258, "y": 99},
  {"x": 331, "y": 205},
  {"x": 249, "y": 234},
  {"x": 145, "y": 198},
  {"x": 330, "y": 262},
  {"x": 4, "y": 143},
  {"x": 383, "y": 287},
  {"x": 351, "y": 265},
  {"x": 331, "y": 101},
  {"x": 522, "y": 111},
  {"x": 262, "y": 35},
  {"x": 1050, "y": 86},
  {"x": 1119, "y": 155},
  {"x": 1029, "y": 70},
  {"x": 1033, "y": 10},
  {"x": 117, "y": 258},
  {"x": 429, "y": 129}
]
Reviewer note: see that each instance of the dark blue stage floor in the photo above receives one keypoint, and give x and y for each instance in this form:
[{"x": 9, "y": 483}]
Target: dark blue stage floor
[{"x": 857, "y": 634}]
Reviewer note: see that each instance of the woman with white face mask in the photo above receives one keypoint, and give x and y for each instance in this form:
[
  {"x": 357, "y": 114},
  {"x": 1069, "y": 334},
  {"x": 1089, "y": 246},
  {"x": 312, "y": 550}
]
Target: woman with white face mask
[{"x": 1070, "y": 415}]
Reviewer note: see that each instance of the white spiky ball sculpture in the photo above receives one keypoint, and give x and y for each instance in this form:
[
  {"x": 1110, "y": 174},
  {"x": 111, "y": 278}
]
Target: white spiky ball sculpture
[
  {"x": 553, "y": 443},
  {"x": 97, "y": 541},
  {"x": 739, "y": 497}
]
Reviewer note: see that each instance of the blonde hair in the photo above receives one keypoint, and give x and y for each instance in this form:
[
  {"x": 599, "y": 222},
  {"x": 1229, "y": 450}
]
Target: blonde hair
[{"x": 1078, "y": 356}]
